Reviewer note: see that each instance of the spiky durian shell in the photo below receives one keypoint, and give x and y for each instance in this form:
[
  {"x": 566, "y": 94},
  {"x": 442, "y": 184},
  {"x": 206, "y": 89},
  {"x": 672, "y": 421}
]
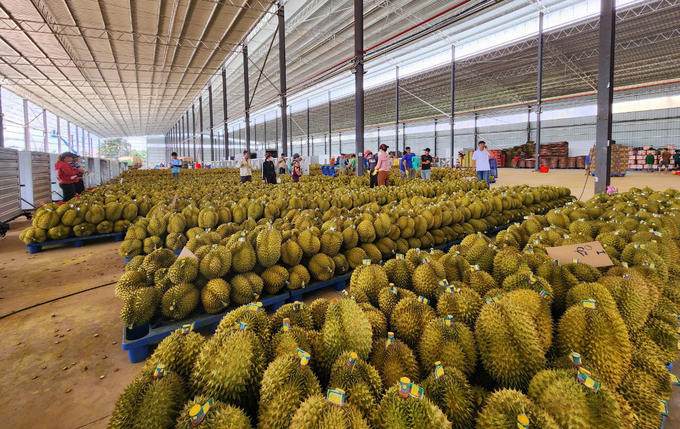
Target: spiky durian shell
[
  {"x": 453, "y": 345},
  {"x": 398, "y": 412}
]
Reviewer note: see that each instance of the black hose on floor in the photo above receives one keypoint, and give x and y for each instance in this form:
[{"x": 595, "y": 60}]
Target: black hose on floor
[
  {"x": 56, "y": 299},
  {"x": 584, "y": 186}
]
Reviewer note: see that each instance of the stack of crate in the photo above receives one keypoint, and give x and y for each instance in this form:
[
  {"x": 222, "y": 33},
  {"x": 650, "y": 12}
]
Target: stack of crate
[
  {"x": 619, "y": 161},
  {"x": 580, "y": 162},
  {"x": 555, "y": 155}
]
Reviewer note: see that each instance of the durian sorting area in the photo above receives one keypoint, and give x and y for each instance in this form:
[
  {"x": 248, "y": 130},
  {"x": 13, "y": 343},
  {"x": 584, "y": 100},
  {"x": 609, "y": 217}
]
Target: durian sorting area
[{"x": 62, "y": 344}]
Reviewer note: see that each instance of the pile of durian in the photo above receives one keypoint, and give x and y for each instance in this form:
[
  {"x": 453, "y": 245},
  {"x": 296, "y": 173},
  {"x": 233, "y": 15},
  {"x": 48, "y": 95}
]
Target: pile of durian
[
  {"x": 488, "y": 335},
  {"x": 260, "y": 247}
]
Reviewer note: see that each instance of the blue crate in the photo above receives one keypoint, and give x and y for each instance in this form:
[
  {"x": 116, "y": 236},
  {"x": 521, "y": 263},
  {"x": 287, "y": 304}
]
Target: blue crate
[
  {"x": 137, "y": 341},
  {"x": 338, "y": 283},
  {"x": 176, "y": 252},
  {"x": 77, "y": 241}
]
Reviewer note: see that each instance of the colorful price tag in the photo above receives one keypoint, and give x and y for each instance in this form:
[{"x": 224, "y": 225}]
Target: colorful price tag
[
  {"x": 448, "y": 320},
  {"x": 575, "y": 358},
  {"x": 529, "y": 252},
  {"x": 344, "y": 292},
  {"x": 404, "y": 387},
  {"x": 585, "y": 379},
  {"x": 627, "y": 276},
  {"x": 242, "y": 239},
  {"x": 444, "y": 282},
  {"x": 241, "y": 326},
  {"x": 438, "y": 370},
  {"x": 522, "y": 421},
  {"x": 423, "y": 300},
  {"x": 255, "y": 306},
  {"x": 556, "y": 263},
  {"x": 650, "y": 265},
  {"x": 495, "y": 299},
  {"x": 394, "y": 290},
  {"x": 390, "y": 339},
  {"x": 400, "y": 256},
  {"x": 675, "y": 381},
  {"x": 589, "y": 303},
  {"x": 474, "y": 268},
  {"x": 663, "y": 408},
  {"x": 456, "y": 253},
  {"x": 198, "y": 412},
  {"x": 160, "y": 371},
  {"x": 575, "y": 260},
  {"x": 187, "y": 328},
  {"x": 352, "y": 359},
  {"x": 532, "y": 279},
  {"x": 544, "y": 294},
  {"x": 427, "y": 260},
  {"x": 304, "y": 357},
  {"x": 286, "y": 325},
  {"x": 624, "y": 264},
  {"x": 366, "y": 261},
  {"x": 336, "y": 397},
  {"x": 417, "y": 391},
  {"x": 452, "y": 289},
  {"x": 297, "y": 305}
]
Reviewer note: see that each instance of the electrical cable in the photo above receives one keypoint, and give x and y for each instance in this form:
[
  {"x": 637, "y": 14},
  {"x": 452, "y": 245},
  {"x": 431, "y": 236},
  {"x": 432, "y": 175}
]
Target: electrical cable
[{"x": 584, "y": 186}]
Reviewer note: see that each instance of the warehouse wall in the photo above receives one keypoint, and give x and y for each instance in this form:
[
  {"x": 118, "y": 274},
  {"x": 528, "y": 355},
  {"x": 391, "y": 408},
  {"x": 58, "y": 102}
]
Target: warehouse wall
[{"x": 156, "y": 151}]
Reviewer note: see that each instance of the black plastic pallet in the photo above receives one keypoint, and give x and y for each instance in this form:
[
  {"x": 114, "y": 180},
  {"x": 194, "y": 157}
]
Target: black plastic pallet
[{"x": 77, "y": 241}]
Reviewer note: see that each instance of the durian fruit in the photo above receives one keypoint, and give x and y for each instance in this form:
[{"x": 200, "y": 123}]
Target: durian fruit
[
  {"x": 584, "y": 272},
  {"x": 129, "y": 282},
  {"x": 527, "y": 280},
  {"x": 636, "y": 389},
  {"x": 216, "y": 263},
  {"x": 291, "y": 253},
  {"x": 215, "y": 296},
  {"x": 287, "y": 382},
  {"x": 399, "y": 410},
  {"x": 288, "y": 342},
  {"x": 394, "y": 359},
  {"x": 275, "y": 278},
  {"x": 33, "y": 235},
  {"x": 175, "y": 241},
  {"x": 600, "y": 336},
  {"x": 369, "y": 279},
  {"x": 456, "y": 267},
  {"x": 179, "y": 301},
  {"x": 317, "y": 413},
  {"x": 128, "y": 249},
  {"x": 123, "y": 413},
  {"x": 509, "y": 344},
  {"x": 184, "y": 270},
  {"x": 176, "y": 223},
  {"x": 321, "y": 267},
  {"x": 297, "y": 313},
  {"x": 331, "y": 242},
  {"x": 341, "y": 264},
  {"x": 360, "y": 381},
  {"x": 571, "y": 404},
  {"x": 378, "y": 322},
  {"x": 135, "y": 263},
  {"x": 148, "y": 245},
  {"x": 355, "y": 257},
  {"x": 254, "y": 317},
  {"x": 346, "y": 329},
  {"x": 207, "y": 218},
  {"x": 448, "y": 389},
  {"x": 389, "y": 297},
  {"x": 503, "y": 408},
  {"x": 481, "y": 282},
  {"x": 399, "y": 272},
  {"x": 246, "y": 288},
  {"x": 139, "y": 307},
  {"x": 160, "y": 403},
  {"x": 243, "y": 258},
  {"x": 160, "y": 258},
  {"x": 268, "y": 247},
  {"x": 318, "y": 308},
  {"x": 427, "y": 279},
  {"x": 161, "y": 281},
  {"x": 366, "y": 231},
  {"x": 299, "y": 277},
  {"x": 178, "y": 352},
  {"x": 309, "y": 242},
  {"x": 449, "y": 342},
  {"x": 409, "y": 319},
  {"x": 237, "y": 383},
  {"x": 219, "y": 415},
  {"x": 61, "y": 231},
  {"x": 506, "y": 263},
  {"x": 631, "y": 299},
  {"x": 114, "y": 211},
  {"x": 538, "y": 308},
  {"x": 372, "y": 252},
  {"x": 463, "y": 303}
]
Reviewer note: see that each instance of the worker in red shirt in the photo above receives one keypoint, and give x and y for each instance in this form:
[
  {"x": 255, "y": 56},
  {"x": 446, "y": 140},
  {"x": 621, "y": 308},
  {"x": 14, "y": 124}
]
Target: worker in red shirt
[{"x": 67, "y": 175}]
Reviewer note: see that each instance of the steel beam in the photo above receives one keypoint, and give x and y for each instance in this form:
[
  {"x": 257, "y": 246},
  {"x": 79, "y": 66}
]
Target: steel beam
[
  {"x": 246, "y": 91},
  {"x": 200, "y": 119},
  {"x": 605, "y": 96},
  {"x": 453, "y": 104},
  {"x": 396, "y": 109},
  {"x": 359, "y": 83},
  {"x": 282, "y": 78},
  {"x": 539, "y": 92},
  {"x": 224, "y": 112},
  {"x": 212, "y": 132}
]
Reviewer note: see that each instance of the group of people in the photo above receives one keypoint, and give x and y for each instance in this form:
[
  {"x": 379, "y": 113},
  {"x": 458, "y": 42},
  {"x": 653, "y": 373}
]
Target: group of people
[
  {"x": 411, "y": 163},
  {"x": 70, "y": 175},
  {"x": 269, "y": 169},
  {"x": 346, "y": 163},
  {"x": 664, "y": 160}
]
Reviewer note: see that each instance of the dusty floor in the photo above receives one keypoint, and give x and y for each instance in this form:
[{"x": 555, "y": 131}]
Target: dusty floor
[{"x": 60, "y": 334}]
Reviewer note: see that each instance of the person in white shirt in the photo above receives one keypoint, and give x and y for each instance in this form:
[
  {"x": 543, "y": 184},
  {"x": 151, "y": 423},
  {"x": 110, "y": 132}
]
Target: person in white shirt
[
  {"x": 244, "y": 167},
  {"x": 480, "y": 160}
]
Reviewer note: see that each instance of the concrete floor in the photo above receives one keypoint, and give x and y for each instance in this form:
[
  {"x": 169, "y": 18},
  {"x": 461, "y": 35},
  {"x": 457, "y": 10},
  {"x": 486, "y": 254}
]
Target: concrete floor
[{"x": 60, "y": 334}]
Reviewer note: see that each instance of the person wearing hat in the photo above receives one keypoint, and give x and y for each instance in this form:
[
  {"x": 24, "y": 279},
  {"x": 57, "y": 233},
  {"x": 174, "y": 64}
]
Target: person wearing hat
[
  {"x": 80, "y": 184},
  {"x": 67, "y": 175},
  {"x": 268, "y": 170},
  {"x": 382, "y": 168},
  {"x": 296, "y": 170},
  {"x": 371, "y": 164},
  {"x": 406, "y": 167},
  {"x": 426, "y": 162},
  {"x": 175, "y": 164},
  {"x": 245, "y": 171}
]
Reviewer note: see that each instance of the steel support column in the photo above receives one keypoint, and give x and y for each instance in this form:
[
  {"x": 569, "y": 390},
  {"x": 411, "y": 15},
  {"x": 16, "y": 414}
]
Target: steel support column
[
  {"x": 396, "y": 110},
  {"x": 200, "y": 128},
  {"x": 27, "y": 131},
  {"x": 2, "y": 123},
  {"x": 476, "y": 132},
  {"x": 359, "y": 83},
  {"x": 282, "y": 78},
  {"x": 453, "y": 104},
  {"x": 330, "y": 120},
  {"x": 435, "y": 138},
  {"x": 290, "y": 129},
  {"x": 539, "y": 94},
  {"x": 193, "y": 126},
  {"x": 224, "y": 112},
  {"x": 307, "y": 127},
  {"x": 605, "y": 96},
  {"x": 212, "y": 132},
  {"x": 276, "y": 133},
  {"x": 528, "y": 123},
  {"x": 246, "y": 91},
  {"x": 46, "y": 143},
  {"x": 188, "y": 145},
  {"x": 58, "y": 132},
  {"x": 83, "y": 142},
  {"x": 240, "y": 144}
]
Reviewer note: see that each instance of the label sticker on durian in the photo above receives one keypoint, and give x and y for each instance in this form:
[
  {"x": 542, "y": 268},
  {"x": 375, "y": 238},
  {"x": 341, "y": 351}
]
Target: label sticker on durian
[
  {"x": 285, "y": 327},
  {"x": 495, "y": 299},
  {"x": 575, "y": 358},
  {"x": 543, "y": 294},
  {"x": 627, "y": 276},
  {"x": 344, "y": 292},
  {"x": 336, "y": 397},
  {"x": 366, "y": 261},
  {"x": 438, "y": 370},
  {"x": 650, "y": 265},
  {"x": 404, "y": 386},
  {"x": 352, "y": 359},
  {"x": 186, "y": 328},
  {"x": 474, "y": 268},
  {"x": 423, "y": 300},
  {"x": 394, "y": 290},
  {"x": 255, "y": 306},
  {"x": 198, "y": 412},
  {"x": 663, "y": 408},
  {"x": 532, "y": 279},
  {"x": 536, "y": 242},
  {"x": 448, "y": 320},
  {"x": 522, "y": 421},
  {"x": 624, "y": 264},
  {"x": 588, "y": 381},
  {"x": 529, "y": 252},
  {"x": 557, "y": 263},
  {"x": 443, "y": 282},
  {"x": 241, "y": 326},
  {"x": 589, "y": 304},
  {"x": 426, "y": 260},
  {"x": 452, "y": 289},
  {"x": 456, "y": 253},
  {"x": 417, "y": 391},
  {"x": 390, "y": 339},
  {"x": 304, "y": 357},
  {"x": 160, "y": 371},
  {"x": 675, "y": 381},
  {"x": 400, "y": 256},
  {"x": 297, "y": 305}
]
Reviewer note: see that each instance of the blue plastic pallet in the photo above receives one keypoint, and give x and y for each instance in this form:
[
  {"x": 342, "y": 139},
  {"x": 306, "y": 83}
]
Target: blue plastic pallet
[
  {"x": 77, "y": 241},
  {"x": 176, "y": 252},
  {"x": 137, "y": 341},
  {"x": 338, "y": 283}
]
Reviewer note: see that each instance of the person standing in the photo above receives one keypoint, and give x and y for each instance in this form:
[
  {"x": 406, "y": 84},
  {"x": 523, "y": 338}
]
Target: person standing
[
  {"x": 80, "y": 184},
  {"x": 244, "y": 167},
  {"x": 649, "y": 160},
  {"x": 426, "y": 165},
  {"x": 676, "y": 158},
  {"x": 382, "y": 168},
  {"x": 587, "y": 164},
  {"x": 175, "y": 165},
  {"x": 416, "y": 165},
  {"x": 268, "y": 170},
  {"x": 406, "y": 167},
  {"x": 296, "y": 170},
  {"x": 481, "y": 162},
  {"x": 665, "y": 161},
  {"x": 461, "y": 158},
  {"x": 282, "y": 164},
  {"x": 371, "y": 164},
  {"x": 67, "y": 175}
]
